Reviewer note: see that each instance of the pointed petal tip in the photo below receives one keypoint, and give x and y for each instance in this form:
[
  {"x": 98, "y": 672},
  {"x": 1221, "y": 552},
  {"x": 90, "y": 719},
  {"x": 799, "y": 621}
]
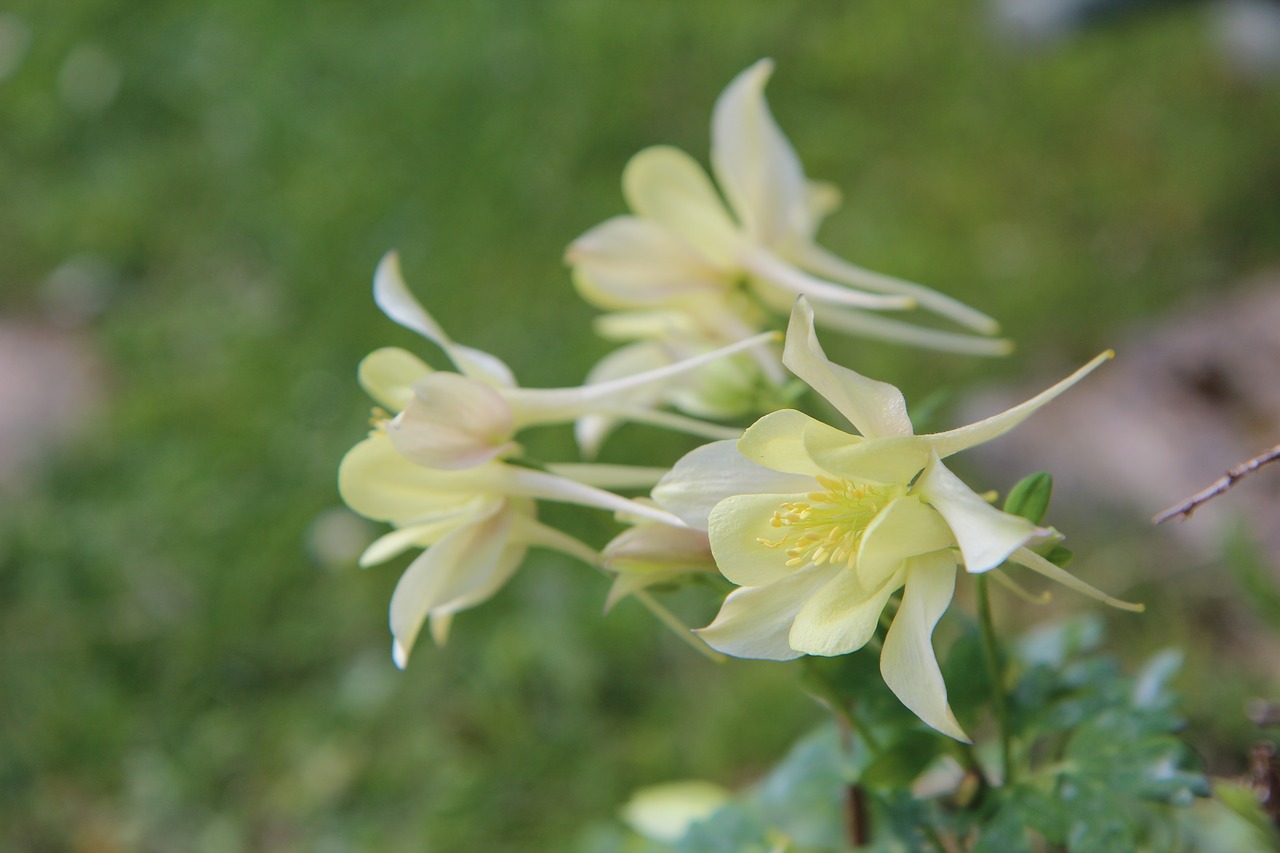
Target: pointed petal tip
[{"x": 399, "y": 654}]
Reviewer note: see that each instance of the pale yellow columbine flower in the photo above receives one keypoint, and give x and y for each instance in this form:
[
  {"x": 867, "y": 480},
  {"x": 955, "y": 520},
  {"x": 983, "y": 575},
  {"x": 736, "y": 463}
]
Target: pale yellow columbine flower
[
  {"x": 436, "y": 467},
  {"x": 820, "y": 527},
  {"x": 457, "y": 420},
  {"x": 476, "y": 525},
  {"x": 683, "y": 251}
]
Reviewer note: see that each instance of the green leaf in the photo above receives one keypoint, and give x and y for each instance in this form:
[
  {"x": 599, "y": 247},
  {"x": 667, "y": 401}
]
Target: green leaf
[
  {"x": 903, "y": 760},
  {"x": 1030, "y": 497}
]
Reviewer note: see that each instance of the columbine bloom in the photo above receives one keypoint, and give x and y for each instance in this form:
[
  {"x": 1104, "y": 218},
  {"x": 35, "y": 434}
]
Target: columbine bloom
[
  {"x": 476, "y": 525},
  {"x": 435, "y": 467},
  {"x": 457, "y": 420},
  {"x": 819, "y": 527},
  {"x": 683, "y": 252}
]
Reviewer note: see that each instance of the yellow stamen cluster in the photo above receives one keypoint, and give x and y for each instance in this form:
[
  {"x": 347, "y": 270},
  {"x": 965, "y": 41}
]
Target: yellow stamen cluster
[{"x": 827, "y": 526}]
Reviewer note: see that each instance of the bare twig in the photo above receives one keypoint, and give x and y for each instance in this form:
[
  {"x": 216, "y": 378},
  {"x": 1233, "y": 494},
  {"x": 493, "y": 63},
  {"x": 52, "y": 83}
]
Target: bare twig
[{"x": 1219, "y": 486}]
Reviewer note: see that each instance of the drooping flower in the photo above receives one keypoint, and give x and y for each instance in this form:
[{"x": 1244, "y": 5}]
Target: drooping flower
[
  {"x": 476, "y": 525},
  {"x": 457, "y": 420},
  {"x": 437, "y": 467},
  {"x": 684, "y": 250},
  {"x": 820, "y": 527},
  {"x": 685, "y": 274}
]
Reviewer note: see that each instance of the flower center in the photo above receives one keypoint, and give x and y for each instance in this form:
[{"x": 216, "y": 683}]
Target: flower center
[{"x": 827, "y": 526}]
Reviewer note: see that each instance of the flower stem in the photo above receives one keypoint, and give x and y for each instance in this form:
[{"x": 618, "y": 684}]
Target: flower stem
[
  {"x": 666, "y": 617},
  {"x": 991, "y": 651}
]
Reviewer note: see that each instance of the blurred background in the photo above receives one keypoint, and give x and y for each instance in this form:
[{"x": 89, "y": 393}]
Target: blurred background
[{"x": 194, "y": 200}]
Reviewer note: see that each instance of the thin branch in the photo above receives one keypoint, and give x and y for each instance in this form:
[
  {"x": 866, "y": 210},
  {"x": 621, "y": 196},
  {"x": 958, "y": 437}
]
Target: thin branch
[{"x": 1193, "y": 503}]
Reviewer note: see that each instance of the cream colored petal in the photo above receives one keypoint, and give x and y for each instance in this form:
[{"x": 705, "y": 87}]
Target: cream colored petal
[
  {"x": 392, "y": 295},
  {"x": 667, "y": 186},
  {"x": 454, "y": 565},
  {"x": 777, "y": 441},
  {"x": 905, "y": 528},
  {"x": 379, "y": 483},
  {"x": 550, "y": 405},
  {"x": 841, "y": 616},
  {"x": 819, "y": 261},
  {"x": 709, "y": 474},
  {"x": 484, "y": 582},
  {"x": 629, "y": 262},
  {"x": 1038, "y": 564},
  {"x": 416, "y": 536},
  {"x": 452, "y": 422},
  {"x": 740, "y": 528},
  {"x": 876, "y": 409},
  {"x": 388, "y": 374},
  {"x": 877, "y": 461},
  {"x": 986, "y": 535},
  {"x": 755, "y": 165},
  {"x": 907, "y": 661},
  {"x": 590, "y": 431},
  {"x": 863, "y": 324},
  {"x": 822, "y": 199},
  {"x": 953, "y": 441},
  {"x": 754, "y": 622}
]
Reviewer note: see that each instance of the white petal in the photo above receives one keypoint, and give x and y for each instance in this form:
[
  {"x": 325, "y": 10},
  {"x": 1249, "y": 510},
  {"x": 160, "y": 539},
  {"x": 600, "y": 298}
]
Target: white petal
[
  {"x": 953, "y": 441},
  {"x": 755, "y": 164},
  {"x": 863, "y": 324},
  {"x": 629, "y": 262},
  {"x": 709, "y": 474},
  {"x": 876, "y": 409},
  {"x": 454, "y": 565},
  {"x": 1033, "y": 561},
  {"x": 817, "y": 260},
  {"x": 415, "y": 536},
  {"x": 875, "y": 461},
  {"x": 387, "y": 375},
  {"x": 841, "y": 616},
  {"x": 452, "y": 422},
  {"x": 668, "y": 186},
  {"x": 754, "y": 622},
  {"x": 590, "y": 431},
  {"x": 392, "y": 295},
  {"x": 986, "y": 535},
  {"x": 907, "y": 661},
  {"x": 379, "y": 483}
]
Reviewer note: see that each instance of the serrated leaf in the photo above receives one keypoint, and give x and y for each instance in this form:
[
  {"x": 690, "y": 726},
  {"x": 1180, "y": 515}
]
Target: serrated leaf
[{"x": 1029, "y": 498}]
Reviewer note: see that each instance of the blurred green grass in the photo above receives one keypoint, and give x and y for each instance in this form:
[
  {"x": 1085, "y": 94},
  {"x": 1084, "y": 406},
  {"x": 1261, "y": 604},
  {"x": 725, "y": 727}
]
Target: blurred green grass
[{"x": 177, "y": 671}]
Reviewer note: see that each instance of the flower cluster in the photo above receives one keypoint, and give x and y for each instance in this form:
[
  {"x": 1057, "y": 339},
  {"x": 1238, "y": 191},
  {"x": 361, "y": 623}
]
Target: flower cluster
[{"x": 828, "y": 535}]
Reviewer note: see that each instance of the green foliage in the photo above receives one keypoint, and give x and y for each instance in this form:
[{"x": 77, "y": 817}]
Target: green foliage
[{"x": 1102, "y": 770}]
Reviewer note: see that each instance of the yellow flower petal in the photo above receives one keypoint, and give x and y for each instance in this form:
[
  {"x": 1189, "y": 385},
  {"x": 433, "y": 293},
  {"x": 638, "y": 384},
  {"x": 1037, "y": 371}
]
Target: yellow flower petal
[
  {"x": 777, "y": 441},
  {"x": 876, "y": 409},
  {"x": 953, "y": 441},
  {"x": 388, "y": 374},
  {"x": 755, "y": 165},
  {"x": 740, "y": 528},
  {"x": 629, "y": 262},
  {"x": 907, "y": 661},
  {"x": 986, "y": 535},
  {"x": 754, "y": 621},
  {"x": 667, "y": 186},
  {"x": 453, "y": 422},
  {"x": 709, "y": 474},
  {"x": 903, "y": 529},
  {"x": 841, "y": 616}
]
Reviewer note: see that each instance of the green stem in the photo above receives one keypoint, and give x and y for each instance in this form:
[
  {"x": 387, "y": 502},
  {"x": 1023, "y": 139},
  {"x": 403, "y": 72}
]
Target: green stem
[
  {"x": 666, "y": 617},
  {"x": 991, "y": 651},
  {"x": 841, "y": 709}
]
